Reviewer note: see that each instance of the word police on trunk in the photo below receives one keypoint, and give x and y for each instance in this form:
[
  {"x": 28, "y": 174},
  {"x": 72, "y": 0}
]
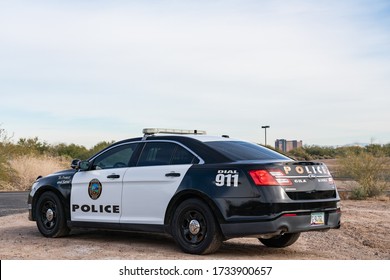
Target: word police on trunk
[{"x": 314, "y": 169}]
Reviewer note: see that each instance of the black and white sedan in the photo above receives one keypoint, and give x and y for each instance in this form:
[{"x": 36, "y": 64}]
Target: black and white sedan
[{"x": 200, "y": 189}]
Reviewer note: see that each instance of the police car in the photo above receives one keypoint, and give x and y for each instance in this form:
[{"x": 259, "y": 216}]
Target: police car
[{"x": 200, "y": 189}]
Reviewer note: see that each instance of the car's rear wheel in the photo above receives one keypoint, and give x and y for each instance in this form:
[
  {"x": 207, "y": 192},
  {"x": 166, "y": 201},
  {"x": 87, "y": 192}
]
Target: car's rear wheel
[
  {"x": 281, "y": 241},
  {"x": 194, "y": 228},
  {"x": 50, "y": 216}
]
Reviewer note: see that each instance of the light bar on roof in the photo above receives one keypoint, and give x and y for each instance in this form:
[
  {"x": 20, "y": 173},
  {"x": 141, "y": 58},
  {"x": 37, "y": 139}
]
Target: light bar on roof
[{"x": 150, "y": 131}]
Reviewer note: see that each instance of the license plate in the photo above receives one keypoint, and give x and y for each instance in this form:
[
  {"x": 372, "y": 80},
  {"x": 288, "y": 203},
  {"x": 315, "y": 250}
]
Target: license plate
[{"x": 317, "y": 219}]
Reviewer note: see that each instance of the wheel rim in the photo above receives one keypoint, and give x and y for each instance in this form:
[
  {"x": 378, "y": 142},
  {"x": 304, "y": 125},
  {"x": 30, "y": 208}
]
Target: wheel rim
[
  {"x": 193, "y": 227},
  {"x": 48, "y": 214}
]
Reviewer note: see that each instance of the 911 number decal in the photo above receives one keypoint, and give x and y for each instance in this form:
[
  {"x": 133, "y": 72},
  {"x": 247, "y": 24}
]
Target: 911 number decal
[{"x": 228, "y": 178}]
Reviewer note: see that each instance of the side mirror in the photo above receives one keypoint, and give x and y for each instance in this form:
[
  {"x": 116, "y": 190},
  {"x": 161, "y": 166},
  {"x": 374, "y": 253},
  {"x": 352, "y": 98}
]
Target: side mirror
[
  {"x": 75, "y": 163},
  {"x": 84, "y": 165}
]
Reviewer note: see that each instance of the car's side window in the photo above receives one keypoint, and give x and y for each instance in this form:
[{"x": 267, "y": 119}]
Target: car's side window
[
  {"x": 117, "y": 157},
  {"x": 183, "y": 156},
  {"x": 156, "y": 153},
  {"x": 164, "y": 153}
]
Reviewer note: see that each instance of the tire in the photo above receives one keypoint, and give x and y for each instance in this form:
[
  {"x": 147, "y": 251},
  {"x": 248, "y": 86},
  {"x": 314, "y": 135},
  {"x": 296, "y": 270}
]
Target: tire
[
  {"x": 194, "y": 228},
  {"x": 281, "y": 241},
  {"x": 50, "y": 216}
]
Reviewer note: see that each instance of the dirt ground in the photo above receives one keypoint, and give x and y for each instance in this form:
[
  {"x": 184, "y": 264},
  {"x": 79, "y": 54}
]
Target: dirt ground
[{"x": 364, "y": 235}]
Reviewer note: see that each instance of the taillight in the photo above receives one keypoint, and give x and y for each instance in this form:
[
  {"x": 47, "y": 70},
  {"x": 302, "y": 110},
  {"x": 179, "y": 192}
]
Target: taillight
[{"x": 263, "y": 177}]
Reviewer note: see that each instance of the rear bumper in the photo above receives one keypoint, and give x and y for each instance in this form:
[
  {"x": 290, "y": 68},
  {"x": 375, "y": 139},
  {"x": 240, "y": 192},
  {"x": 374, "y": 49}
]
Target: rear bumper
[{"x": 282, "y": 224}]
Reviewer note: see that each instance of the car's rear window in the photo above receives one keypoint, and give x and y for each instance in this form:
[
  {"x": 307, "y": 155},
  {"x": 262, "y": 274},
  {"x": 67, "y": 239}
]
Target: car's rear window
[{"x": 240, "y": 150}]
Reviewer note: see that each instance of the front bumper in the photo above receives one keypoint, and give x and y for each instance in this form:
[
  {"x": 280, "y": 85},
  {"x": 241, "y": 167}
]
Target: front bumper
[
  {"x": 30, "y": 213},
  {"x": 282, "y": 224}
]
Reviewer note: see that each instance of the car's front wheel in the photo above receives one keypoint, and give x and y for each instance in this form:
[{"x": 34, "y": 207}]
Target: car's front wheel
[
  {"x": 194, "y": 228},
  {"x": 281, "y": 241},
  {"x": 50, "y": 216}
]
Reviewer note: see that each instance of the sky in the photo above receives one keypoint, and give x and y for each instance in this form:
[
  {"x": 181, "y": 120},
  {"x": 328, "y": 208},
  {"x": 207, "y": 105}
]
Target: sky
[{"x": 88, "y": 71}]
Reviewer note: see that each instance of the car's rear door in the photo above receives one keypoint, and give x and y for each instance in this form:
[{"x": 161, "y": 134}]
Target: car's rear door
[{"x": 149, "y": 186}]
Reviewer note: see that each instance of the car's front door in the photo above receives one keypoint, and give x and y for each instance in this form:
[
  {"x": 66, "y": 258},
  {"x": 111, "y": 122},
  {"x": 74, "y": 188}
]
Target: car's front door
[{"x": 96, "y": 193}]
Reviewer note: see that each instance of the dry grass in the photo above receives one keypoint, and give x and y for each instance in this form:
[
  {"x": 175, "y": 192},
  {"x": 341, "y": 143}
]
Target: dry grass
[{"x": 28, "y": 168}]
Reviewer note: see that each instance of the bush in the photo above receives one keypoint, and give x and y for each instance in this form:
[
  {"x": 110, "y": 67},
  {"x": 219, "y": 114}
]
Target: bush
[
  {"x": 72, "y": 151},
  {"x": 99, "y": 146},
  {"x": 6, "y": 172},
  {"x": 367, "y": 169},
  {"x": 31, "y": 146},
  {"x": 300, "y": 154}
]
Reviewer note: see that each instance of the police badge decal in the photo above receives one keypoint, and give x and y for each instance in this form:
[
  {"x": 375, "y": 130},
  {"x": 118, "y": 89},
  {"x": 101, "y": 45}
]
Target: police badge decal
[{"x": 94, "y": 189}]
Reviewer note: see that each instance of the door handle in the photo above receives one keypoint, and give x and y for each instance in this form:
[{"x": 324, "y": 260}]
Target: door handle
[
  {"x": 172, "y": 174},
  {"x": 113, "y": 176}
]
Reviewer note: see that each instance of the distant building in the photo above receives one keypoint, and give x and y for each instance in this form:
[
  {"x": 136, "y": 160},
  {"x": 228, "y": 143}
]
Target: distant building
[{"x": 287, "y": 145}]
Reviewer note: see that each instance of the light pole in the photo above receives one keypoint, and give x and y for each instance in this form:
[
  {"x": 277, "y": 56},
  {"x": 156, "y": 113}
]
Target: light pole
[{"x": 265, "y": 132}]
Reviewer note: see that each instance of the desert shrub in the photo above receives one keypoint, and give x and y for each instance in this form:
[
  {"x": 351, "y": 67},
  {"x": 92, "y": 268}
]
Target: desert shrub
[
  {"x": 320, "y": 152},
  {"x": 72, "y": 151},
  {"x": 367, "y": 169},
  {"x": 300, "y": 154},
  {"x": 29, "y": 167},
  {"x": 99, "y": 146},
  {"x": 386, "y": 149},
  {"x": 6, "y": 172},
  {"x": 30, "y": 146}
]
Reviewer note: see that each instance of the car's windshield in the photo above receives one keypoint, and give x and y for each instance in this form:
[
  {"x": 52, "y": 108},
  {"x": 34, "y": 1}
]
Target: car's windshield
[{"x": 240, "y": 150}]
